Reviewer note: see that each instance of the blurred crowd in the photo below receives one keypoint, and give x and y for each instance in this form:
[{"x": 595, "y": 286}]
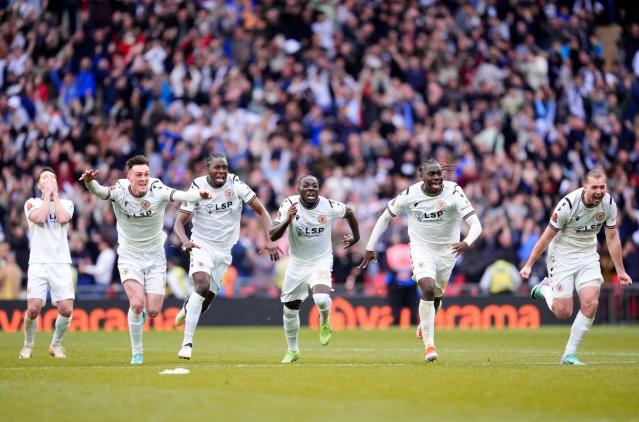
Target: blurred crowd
[{"x": 519, "y": 97}]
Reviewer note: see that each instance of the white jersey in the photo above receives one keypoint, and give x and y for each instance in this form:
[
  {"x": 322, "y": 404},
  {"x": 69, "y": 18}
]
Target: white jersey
[
  {"x": 578, "y": 225},
  {"x": 216, "y": 221},
  {"x": 140, "y": 218},
  {"x": 309, "y": 234},
  {"x": 434, "y": 221},
  {"x": 49, "y": 243}
]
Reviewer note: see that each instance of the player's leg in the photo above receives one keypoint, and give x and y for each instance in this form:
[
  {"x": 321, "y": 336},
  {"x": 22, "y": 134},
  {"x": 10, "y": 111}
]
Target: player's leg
[
  {"x": 557, "y": 288},
  {"x": 294, "y": 291},
  {"x": 135, "y": 292},
  {"x": 37, "y": 286},
  {"x": 320, "y": 283},
  {"x": 62, "y": 295},
  {"x": 193, "y": 309},
  {"x": 202, "y": 261},
  {"x": 425, "y": 271},
  {"x": 588, "y": 292}
]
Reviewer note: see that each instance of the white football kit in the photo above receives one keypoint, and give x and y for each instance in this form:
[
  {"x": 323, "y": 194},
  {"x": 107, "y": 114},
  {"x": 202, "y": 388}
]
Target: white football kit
[
  {"x": 140, "y": 221},
  {"x": 310, "y": 245},
  {"x": 216, "y": 226},
  {"x": 49, "y": 256},
  {"x": 573, "y": 261},
  {"x": 434, "y": 223}
]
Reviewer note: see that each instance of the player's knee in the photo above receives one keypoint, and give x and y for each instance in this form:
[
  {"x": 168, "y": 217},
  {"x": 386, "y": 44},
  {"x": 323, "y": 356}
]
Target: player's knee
[
  {"x": 153, "y": 313},
  {"x": 33, "y": 311},
  {"x": 589, "y": 306},
  {"x": 65, "y": 311},
  {"x": 295, "y": 305},
  {"x": 136, "y": 306},
  {"x": 202, "y": 289},
  {"x": 427, "y": 286},
  {"x": 563, "y": 312}
]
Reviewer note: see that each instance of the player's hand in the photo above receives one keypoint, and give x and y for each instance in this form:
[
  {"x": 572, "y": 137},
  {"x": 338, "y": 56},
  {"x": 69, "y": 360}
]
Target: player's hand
[
  {"x": 349, "y": 241},
  {"x": 525, "y": 271},
  {"x": 624, "y": 279},
  {"x": 187, "y": 245},
  {"x": 204, "y": 194},
  {"x": 292, "y": 212},
  {"x": 273, "y": 250},
  {"x": 368, "y": 257},
  {"x": 89, "y": 175},
  {"x": 459, "y": 248}
]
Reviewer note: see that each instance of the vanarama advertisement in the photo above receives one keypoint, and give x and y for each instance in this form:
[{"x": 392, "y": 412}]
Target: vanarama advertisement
[{"x": 347, "y": 313}]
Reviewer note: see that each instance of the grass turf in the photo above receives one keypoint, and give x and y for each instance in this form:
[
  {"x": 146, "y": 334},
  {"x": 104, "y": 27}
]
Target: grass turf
[{"x": 360, "y": 376}]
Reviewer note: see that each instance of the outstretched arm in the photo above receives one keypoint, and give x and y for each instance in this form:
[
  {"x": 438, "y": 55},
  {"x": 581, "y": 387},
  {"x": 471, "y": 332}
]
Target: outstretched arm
[
  {"x": 350, "y": 240},
  {"x": 189, "y": 196},
  {"x": 614, "y": 247},
  {"x": 265, "y": 222},
  {"x": 88, "y": 177},
  {"x": 539, "y": 248},
  {"x": 378, "y": 230}
]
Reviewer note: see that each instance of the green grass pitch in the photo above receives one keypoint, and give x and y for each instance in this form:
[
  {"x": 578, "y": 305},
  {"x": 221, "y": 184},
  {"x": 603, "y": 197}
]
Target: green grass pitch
[{"x": 360, "y": 376}]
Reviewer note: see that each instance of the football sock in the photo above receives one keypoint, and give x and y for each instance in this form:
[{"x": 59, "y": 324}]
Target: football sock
[
  {"x": 193, "y": 308},
  {"x": 136, "y": 327},
  {"x": 580, "y": 327},
  {"x": 546, "y": 292},
  {"x": 291, "y": 327},
  {"x": 30, "y": 327},
  {"x": 427, "y": 321},
  {"x": 61, "y": 325},
  {"x": 323, "y": 302}
]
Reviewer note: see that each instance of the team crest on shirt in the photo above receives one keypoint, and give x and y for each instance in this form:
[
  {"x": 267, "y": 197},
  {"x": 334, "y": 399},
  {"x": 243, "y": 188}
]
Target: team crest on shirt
[
  {"x": 322, "y": 219},
  {"x": 440, "y": 205},
  {"x": 229, "y": 193},
  {"x": 29, "y": 206},
  {"x": 600, "y": 216},
  {"x": 558, "y": 288},
  {"x": 145, "y": 204}
]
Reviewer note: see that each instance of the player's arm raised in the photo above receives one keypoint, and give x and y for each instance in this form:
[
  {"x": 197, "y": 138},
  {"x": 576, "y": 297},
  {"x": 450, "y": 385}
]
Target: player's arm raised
[
  {"x": 539, "y": 248},
  {"x": 61, "y": 213},
  {"x": 88, "y": 177},
  {"x": 265, "y": 222},
  {"x": 350, "y": 240},
  {"x": 380, "y": 227},
  {"x": 278, "y": 229},
  {"x": 614, "y": 247},
  {"x": 40, "y": 215}
]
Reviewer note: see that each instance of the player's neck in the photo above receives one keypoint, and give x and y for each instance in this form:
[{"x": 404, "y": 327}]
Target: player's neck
[
  {"x": 137, "y": 195},
  {"x": 309, "y": 205},
  {"x": 436, "y": 193}
]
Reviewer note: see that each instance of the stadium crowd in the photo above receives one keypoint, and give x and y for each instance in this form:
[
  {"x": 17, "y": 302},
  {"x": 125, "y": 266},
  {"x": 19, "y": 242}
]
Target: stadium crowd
[{"x": 520, "y": 98}]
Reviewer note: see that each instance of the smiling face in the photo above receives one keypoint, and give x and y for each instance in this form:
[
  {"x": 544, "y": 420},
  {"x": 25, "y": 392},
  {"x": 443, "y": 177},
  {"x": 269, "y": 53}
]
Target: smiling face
[
  {"x": 139, "y": 176},
  {"x": 308, "y": 188},
  {"x": 218, "y": 169},
  {"x": 433, "y": 178},
  {"x": 594, "y": 190}
]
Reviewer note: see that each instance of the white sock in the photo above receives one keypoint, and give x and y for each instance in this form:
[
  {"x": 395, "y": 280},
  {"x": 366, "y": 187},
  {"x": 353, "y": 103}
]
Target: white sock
[
  {"x": 427, "y": 321},
  {"x": 546, "y": 292},
  {"x": 291, "y": 327},
  {"x": 136, "y": 327},
  {"x": 193, "y": 309},
  {"x": 323, "y": 302},
  {"x": 30, "y": 327},
  {"x": 580, "y": 327},
  {"x": 61, "y": 325}
]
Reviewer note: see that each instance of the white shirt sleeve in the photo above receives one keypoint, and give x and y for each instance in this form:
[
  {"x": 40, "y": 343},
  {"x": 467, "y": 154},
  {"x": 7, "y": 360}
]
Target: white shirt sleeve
[
  {"x": 561, "y": 215},
  {"x": 190, "y": 207},
  {"x": 30, "y": 206},
  {"x": 282, "y": 212},
  {"x": 611, "y": 217},
  {"x": 463, "y": 205},
  {"x": 398, "y": 203},
  {"x": 68, "y": 205},
  {"x": 338, "y": 209},
  {"x": 161, "y": 190},
  {"x": 243, "y": 191}
]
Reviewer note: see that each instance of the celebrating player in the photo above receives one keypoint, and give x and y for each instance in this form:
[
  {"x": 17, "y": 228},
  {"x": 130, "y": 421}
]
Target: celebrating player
[
  {"x": 573, "y": 261},
  {"x": 49, "y": 262},
  {"x": 435, "y": 209},
  {"x": 309, "y": 218},
  {"x": 139, "y": 202},
  {"x": 216, "y": 228}
]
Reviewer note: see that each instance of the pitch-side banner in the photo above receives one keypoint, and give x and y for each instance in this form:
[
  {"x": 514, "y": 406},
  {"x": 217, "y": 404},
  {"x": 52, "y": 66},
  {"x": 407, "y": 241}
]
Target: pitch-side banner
[{"x": 347, "y": 313}]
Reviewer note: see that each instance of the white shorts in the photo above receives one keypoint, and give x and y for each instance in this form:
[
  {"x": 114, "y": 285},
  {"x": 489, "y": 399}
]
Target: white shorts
[
  {"x": 57, "y": 277},
  {"x": 148, "y": 269},
  {"x": 429, "y": 263},
  {"x": 569, "y": 275},
  {"x": 214, "y": 263},
  {"x": 299, "y": 277}
]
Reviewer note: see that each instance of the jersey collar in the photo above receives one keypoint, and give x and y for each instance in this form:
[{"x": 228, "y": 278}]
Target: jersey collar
[{"x": 134, "y": 195}]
